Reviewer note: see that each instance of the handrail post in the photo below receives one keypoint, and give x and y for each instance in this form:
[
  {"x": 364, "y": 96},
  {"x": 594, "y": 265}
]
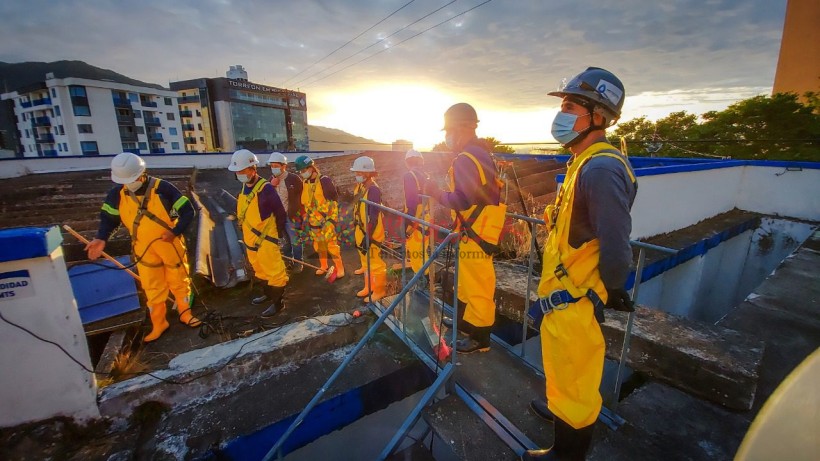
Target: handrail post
[
  {"x": 457, "y": 249},
  {"x": 403, "y": 227},
  {"x": 628, "y": 332},
  {"x": 527, "y": 296}
]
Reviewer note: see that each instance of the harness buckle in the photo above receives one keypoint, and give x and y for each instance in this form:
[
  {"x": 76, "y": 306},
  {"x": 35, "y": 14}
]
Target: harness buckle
[
  {"x": 560, "y": 272},
  {"x": 556, "y": 301}
]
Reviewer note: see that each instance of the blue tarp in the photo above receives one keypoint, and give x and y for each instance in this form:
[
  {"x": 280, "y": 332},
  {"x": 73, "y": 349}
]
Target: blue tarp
[{"x": 102, "y": 292}]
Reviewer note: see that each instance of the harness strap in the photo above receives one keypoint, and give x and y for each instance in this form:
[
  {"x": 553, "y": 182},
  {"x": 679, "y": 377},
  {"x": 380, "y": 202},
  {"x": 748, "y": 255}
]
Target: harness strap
[{"x": 256, "y": 188}]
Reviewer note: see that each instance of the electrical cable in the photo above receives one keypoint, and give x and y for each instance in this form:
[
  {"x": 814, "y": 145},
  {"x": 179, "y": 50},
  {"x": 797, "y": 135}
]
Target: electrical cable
[
  {"x": 401, "y": 42},
  {"x": 376, "y": 42},
  {"x": 349, "y": 41}
]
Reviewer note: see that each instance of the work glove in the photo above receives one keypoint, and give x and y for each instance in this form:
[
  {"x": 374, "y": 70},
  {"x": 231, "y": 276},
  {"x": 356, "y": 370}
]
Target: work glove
[{"x": 618, "y": 299}]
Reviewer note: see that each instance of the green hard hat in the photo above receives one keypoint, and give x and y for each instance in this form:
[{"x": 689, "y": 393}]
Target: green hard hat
[{"x": 302, "y": 162}]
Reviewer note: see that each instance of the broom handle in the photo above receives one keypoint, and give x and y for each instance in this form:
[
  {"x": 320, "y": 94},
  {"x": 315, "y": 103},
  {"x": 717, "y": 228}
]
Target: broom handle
[
  {"x": 105, "y": 255},
  {"x": 302, "y": 263}
]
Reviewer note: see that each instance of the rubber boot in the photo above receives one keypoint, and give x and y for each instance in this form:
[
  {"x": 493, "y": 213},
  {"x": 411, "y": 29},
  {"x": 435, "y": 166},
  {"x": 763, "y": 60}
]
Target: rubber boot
[
  {"x": 277, "y": 295},
  {"x": 158, "y": 322},
  {"x": 360, "y": 271},
  {"x": 322, "y": 263},
  {"x": 379, "y": 285},
  {"x": 570, "y": 444},
  {"x": 264, "y": 297},
  {"x": 463, "y": 326},
  {"x": 540, "y": 408},
  {"x": 185, "y": 315},
  {"x": 340, "y": 266},
  {"x": 366, "y": 290},
  {"x": 478, "y": 341}
]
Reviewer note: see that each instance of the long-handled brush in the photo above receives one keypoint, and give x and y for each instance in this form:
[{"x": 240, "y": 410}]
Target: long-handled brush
[{"x": 330, "y": 276}]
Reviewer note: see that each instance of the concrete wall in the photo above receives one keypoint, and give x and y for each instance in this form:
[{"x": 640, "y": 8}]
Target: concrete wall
[
  {"x": 781, "y": 191},
  {"x": 38, "y": 380}
]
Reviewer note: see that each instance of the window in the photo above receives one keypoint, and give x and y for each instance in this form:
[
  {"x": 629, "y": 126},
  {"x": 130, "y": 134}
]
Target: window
[
  {"x": 170, "y": 115},
  {"x": 137, "y": 114},
  {"x": 59, "y": 147},
  {"x": 174, "y": 145},
  {"x": 184, "y": 107},
  {"x": 199, "y": 126},
  {"x": 62, "y": 131},
  {"x": 198, "y": 114},
  {"x": 172, "y": 131},
  {"x": 65, "y": 146},
  {"x": 143, "y": 145},
  {"x": 89, "y": 148},
  {"x": 82, "y": 111},
  {"x": 27, "y": 135},
  {"x": 140, "y": 130},
  {"x": 201, "y": 139},
  {"x": 133, "y": 97},
  {"x": 53, "y": 93},
  {"x": 168, "y": 101},
  {"x": 85, "y": 128},
  {"x": 57, "y": 110},
  {"x": 74, "y": 90}
]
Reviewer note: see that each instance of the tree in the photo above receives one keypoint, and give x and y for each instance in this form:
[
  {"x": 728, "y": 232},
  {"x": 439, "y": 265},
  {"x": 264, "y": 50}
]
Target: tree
[
  {"x": 492, "y": 144},
  {"x": 777, "y": 127}
]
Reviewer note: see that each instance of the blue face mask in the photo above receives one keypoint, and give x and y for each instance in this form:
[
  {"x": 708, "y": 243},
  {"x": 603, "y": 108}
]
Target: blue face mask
[
  {"x": 562, "y": 127},
  {"x": 450, "y": 141},
  {"x": 360, "y": 179}
]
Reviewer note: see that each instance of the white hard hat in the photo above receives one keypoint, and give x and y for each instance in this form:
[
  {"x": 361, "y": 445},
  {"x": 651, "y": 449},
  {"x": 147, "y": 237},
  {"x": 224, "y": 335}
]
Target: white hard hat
[
  {"x": 412, "y": 153},
  {"x": 126, "y": 168},
  {"x": 242, "y": 159},
  {"x": 364, "y": 165},
  {"x": 277, "y": 157}
]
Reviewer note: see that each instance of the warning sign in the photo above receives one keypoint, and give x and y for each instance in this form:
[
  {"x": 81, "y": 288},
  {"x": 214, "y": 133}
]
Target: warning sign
[{"x": 15, "y": 285}]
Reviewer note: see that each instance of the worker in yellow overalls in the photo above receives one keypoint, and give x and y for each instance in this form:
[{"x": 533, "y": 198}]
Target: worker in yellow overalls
[
  {"x": 321, "y": 202},
  {"x": 262, "y": 218},
  {"x": 475, "y": 201},
  {"x": 414, "y": 180},
  {"x": 369, "y": 236},
  {"x": 587, "y": 259},
  {"x": 156, "y": 214}
]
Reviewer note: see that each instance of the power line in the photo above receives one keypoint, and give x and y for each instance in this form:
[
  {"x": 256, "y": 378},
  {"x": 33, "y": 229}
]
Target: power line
[
  {"x": 405, "y": 40},
  {"x": 376, "y": 42},
  {"x": 349, "y": 41}
]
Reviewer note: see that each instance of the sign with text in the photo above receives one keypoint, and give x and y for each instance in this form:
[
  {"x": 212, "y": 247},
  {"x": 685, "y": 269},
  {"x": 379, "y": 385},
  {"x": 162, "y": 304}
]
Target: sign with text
[{"x": 15, "y": 285}]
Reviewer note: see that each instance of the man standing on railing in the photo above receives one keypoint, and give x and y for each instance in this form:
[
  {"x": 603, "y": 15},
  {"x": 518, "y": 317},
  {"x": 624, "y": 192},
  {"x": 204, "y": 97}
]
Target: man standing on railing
[
  {"x": 156, "y": 214},
  {"x": 414, "y": 181},
  {"x": 262, "y": 218},
  {"x": 475, "y": 203},
  {"x": 587, "y": 259}
]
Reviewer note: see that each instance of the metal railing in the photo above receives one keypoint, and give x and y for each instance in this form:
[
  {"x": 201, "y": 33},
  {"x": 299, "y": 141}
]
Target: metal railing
[{"x": 443, "y": 376}]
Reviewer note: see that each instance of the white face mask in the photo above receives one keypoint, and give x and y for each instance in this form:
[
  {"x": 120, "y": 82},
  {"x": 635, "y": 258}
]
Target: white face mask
[
  {"x": 306, "y": 174},
  {"x": 360, "y": 179},
  {"x": 243, "y": 178},
  {"x": 276, "y": 171},
  {"x": 134, "y": 186}
]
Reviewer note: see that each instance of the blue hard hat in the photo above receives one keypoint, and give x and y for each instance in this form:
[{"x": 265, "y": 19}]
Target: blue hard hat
[{"x": 598, "y": 86}]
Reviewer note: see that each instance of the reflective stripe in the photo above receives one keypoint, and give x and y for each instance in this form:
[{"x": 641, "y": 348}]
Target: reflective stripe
[
  {"x": 110, "y": 210},
  {"x": 179, "y": 203}
]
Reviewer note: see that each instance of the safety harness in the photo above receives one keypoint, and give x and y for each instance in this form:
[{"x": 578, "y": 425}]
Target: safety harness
[
  {"x": 561, "y": 299},
  {"x": 262, "y": 235},
  {"x": 357, "y": 222},
  {"x": 315, "y": 205},
  {"x": 500, "y": 210},
  {"x": 142, "y": 210}
]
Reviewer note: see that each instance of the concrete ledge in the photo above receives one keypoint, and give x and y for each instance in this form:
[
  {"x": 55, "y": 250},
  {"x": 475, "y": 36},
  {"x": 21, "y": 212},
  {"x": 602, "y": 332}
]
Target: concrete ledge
[
  {"x": 226, "y": 367},
  {"x": 711, "y": 362}
]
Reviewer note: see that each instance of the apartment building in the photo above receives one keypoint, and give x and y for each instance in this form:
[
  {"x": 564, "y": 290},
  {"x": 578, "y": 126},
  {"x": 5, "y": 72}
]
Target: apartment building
[{"x": 77, "y": 116}]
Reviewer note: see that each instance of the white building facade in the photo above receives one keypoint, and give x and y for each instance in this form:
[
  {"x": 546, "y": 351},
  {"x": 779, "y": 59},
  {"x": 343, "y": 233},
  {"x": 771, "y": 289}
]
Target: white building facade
[{"x": 76, "y": 116}]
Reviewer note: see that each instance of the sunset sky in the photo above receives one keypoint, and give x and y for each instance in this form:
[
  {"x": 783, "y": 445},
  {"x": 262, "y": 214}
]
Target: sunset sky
[{"x": 502, "y": 57}]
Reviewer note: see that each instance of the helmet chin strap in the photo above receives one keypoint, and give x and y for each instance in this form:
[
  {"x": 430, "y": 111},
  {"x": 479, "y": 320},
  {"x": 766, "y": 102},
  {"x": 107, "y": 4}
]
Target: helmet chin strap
[{"x": 586, "y": 131}]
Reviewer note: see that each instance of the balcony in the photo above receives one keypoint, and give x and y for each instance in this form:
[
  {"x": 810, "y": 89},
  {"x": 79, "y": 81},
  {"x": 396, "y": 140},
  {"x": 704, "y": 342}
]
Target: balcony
[
  {"x": 187, "y": 127},
  {"x": 152, "y": 121},
  {"x": 189, "y": 140},
  {"x": 129, "y": 137},
  {"x": 158, "y": 150},
  {"x": 40, "y": 121},
  {"x": 45, "y": 138},
  {"x": 49, "y": 153},
  {"x": 148, "y": 104},
  {"x": 133, "y": 151},
  {"x": 125, "y": 119},
  {"x": 25, "y": 104},
  {"x": 189, "y": 100},
  {"x": 186, "y": 113},
  {"x": 40, "y": 102},
  {"x": 155, "y": 137},
  {"x": 118, "y": 102}
]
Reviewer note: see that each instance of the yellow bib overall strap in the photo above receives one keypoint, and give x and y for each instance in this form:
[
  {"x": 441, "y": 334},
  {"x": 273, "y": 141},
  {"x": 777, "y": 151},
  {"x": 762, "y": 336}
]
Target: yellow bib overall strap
[
  {"x": 482, "y": 223},
  {"x": 145, "y": 233},
  {"x": 142, "y": 207},
  {"x": 359, "y": 211},
  {"x": 243, "y": 210},
  {"x": 570, "y": 274}
]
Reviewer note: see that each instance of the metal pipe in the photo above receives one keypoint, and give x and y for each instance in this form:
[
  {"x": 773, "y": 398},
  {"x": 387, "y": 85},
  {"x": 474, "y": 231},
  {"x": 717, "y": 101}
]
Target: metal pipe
[
  {"x": 527, "y": 297},
  {"x": 628, "y": 332},
  {"x": 443, "y": 230},
  {"x": 315, "y": 400}
]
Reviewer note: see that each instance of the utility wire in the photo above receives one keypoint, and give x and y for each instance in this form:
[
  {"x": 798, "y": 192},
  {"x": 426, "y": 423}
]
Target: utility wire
[
  {"x": 376, "y": 43},
  {"x": 397, "y": 44},
  {"x": 349, "y": 41}
]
